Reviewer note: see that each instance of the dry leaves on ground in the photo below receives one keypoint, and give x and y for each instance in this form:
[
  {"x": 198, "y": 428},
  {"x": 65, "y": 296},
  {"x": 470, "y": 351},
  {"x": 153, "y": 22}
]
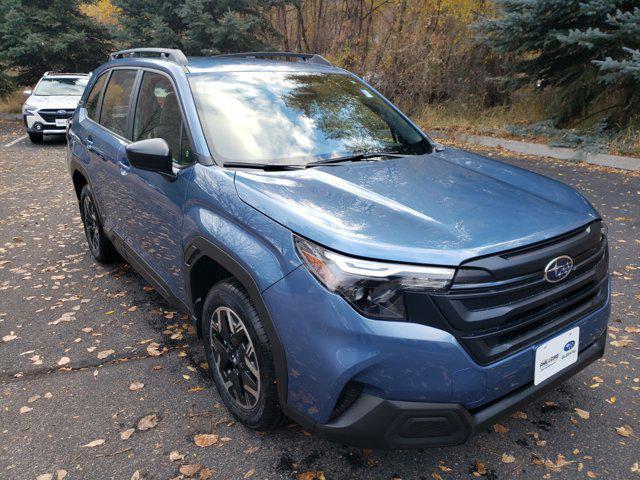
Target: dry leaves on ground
[
  {"x": 94, "y": 443},
  {"x": 105, "y": 354},
  {"x": 147, "y": 422},
  {"x": 127, "y": 433},
  {"x": 583, "y": 414},
  {"x": 624, "y": 431},
  {"x": 507, "y": 458},
  {"x": 136, "y": 386},
  {"x": 205, "y": 439}
]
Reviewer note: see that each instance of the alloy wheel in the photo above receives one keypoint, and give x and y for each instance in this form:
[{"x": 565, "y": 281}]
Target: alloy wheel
[
  {"x": 235, "y": 357},
  {"x": 91, "y": 224}
]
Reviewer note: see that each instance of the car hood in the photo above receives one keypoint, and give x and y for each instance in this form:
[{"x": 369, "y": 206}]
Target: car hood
[
  {"x": 54, "y": 101},
  {"x": 443, "y": 208}
]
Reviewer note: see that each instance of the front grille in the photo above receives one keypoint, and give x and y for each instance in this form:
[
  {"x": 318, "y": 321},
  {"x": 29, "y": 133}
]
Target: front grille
[
  {"x": 51, "y": 115},
  {"x": 500, "y": 304}
]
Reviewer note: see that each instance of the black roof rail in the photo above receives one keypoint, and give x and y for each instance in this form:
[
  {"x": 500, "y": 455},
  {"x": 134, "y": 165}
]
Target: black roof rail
[
  {"x": 172, "y": 54},
  {"x": 300, "y": 57}
]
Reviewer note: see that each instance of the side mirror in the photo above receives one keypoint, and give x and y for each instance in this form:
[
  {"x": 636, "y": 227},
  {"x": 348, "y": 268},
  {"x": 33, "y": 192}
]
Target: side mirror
[
  {"x": 153, "y": 155},
  {"x": 27, "y": 93}
]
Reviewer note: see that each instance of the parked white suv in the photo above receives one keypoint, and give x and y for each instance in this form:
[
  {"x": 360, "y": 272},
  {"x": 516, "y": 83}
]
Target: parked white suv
[{"x": 52, "y": 103}]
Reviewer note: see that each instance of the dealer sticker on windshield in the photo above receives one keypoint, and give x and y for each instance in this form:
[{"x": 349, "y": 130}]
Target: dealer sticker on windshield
[{"x": 556, "y": 355}]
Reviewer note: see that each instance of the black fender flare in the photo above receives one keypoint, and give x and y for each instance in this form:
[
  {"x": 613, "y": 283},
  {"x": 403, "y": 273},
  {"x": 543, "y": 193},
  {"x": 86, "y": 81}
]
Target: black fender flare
[{"x": 200, "y": 247}]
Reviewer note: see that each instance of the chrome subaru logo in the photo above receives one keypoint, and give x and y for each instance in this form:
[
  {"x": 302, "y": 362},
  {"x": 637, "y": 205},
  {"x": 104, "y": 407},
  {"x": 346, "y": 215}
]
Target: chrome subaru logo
[
  {"x": 558, "y": 269},
  {"x": 61, "y": 112},
  {"x": 570, "y": 344}
]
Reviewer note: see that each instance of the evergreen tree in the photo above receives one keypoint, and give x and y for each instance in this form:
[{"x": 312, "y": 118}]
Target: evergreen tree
[
  {"x": 41, "y": 35},
  {"x": 588, "y": 48},
  {"x": 198, "y": 27}
]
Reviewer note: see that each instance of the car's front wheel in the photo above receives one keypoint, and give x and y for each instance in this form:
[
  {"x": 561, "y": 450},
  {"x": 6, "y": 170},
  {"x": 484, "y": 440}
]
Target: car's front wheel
[
  {"x": 239, "y": 356},
  {"x": 99, "y": 245},
  {"x": 35, "y": 137}
]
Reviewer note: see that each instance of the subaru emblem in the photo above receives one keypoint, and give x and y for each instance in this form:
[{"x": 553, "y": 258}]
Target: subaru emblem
[
  {"x": 61, "y": 112},
  {"x": 558, "y": 269},
  {"x": 570, "y": 344}
]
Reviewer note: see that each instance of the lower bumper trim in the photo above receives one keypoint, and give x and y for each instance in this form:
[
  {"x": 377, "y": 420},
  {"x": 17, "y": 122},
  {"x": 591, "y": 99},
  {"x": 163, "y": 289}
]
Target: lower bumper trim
[{"x": 373, "y": 422}]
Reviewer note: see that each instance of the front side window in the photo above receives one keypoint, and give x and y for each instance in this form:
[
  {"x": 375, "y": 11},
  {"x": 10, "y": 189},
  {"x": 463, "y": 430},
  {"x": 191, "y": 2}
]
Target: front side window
[
  {"x": 297, "y": 117},
  {"x": 93, "y": 100},
  {"x": 115, "y": 106},
  {"x": 59, "y": 86},
  {"x": 158, "y": 115}
]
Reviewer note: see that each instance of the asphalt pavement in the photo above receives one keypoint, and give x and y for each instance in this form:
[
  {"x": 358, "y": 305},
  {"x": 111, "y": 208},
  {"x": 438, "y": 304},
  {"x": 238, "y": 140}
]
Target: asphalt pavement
[{"x": 100, "y": 378}]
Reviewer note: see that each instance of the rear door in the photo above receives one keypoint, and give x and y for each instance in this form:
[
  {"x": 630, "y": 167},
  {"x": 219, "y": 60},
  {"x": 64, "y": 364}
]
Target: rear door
[
  {"x": 153, "y": 203},
  {"x": 106, "y": 143}
]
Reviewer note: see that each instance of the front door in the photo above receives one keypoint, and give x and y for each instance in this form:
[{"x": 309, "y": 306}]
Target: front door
[{"x": 153, "y": 229}]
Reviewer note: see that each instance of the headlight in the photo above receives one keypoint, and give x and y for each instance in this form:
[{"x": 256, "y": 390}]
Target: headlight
[
  {"x": 29, "y": 108},
  {"x": 373, "y": 288}
]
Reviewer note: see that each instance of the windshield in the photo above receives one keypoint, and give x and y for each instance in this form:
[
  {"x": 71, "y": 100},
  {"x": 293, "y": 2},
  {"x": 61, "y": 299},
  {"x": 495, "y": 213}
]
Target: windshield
[
  {"x": 61, "y": 86},
  {"x": 297, "y": 118}
]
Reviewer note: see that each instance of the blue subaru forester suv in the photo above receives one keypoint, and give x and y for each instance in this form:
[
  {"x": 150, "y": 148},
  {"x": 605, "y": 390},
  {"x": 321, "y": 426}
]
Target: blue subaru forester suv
[{"x": 342, "y": 269}]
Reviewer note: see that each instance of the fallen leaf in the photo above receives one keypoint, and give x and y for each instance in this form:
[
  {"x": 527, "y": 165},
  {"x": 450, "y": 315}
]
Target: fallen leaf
[
  {"x": 506, "y": 458},
  {"x": 25, "y": 409},
  {"x": 136, "y": 475},
  {"x": 583, "y": 414},
  {"x": 44, "y": 476},
  {"x": 499, "y": 428},
  {"x": 174, "y": 456},
  {"x": 190, "y": 470},
  {"x": 205, "y": 439},
  {"x": 624, "y": 431},
  {"x": 8, "y": 338},
  {"x": 63, "y": 361},
  {"x": 124, "y": 435},
  {"x": 152, "y": 349},
  {"x": 520, "y": 416},
  {"x": 147, "y": 422},
  {"x": 250, "y": 473},
  {"x": 60, "y": 474},
  {"x": 591, "y": 474},
  {"x": 206, "y": 474},
  {"x": 105, "y": 354},
  {"x": 136, "y": 386},
  {"x": 94, "y": 443}
]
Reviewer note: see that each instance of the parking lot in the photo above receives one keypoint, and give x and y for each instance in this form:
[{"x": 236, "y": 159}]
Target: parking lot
[{"x": 101, "y": 378}]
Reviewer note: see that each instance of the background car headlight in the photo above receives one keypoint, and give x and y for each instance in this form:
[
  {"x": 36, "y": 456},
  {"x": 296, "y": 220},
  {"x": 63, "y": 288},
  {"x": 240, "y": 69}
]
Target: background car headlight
[
  {"x": 373, "y": 288},
  {"x": 29, "y": 108}
]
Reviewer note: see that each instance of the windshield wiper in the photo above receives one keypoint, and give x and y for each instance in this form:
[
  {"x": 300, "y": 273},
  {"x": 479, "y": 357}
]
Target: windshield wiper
[
  {"x": 272, "y": 167},
  {"x": 356, "y": 157}
]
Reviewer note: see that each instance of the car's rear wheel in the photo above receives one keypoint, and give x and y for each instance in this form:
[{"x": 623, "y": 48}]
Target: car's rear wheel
[
  {"x": 99, "y": 245},
  {"x": 35, "y": 137},
  {"x": 239, "y": 356}
]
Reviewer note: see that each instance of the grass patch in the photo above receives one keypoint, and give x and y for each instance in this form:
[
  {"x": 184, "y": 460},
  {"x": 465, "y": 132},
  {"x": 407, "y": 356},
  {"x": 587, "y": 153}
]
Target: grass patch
[
  {"x": 527, "y": 118},
  {"x": 12, "y": 103}
]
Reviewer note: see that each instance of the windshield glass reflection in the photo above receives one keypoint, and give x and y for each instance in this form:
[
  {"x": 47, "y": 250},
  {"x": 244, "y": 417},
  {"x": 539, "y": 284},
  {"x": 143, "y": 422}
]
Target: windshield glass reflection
[{"x": 297, "y": 117}]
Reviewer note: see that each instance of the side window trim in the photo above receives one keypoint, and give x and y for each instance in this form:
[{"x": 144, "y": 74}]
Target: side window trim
[
  {"x": 133, "y": 104},
  {"x": 183, "y": 123}
]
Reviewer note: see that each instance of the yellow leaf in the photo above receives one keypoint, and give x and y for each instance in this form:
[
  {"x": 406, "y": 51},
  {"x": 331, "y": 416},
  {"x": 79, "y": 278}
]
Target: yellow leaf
[
  {"x": 506, "y": 458},
  {"x": 583, "y": 414},
  {"x": 624, "y": 431}
]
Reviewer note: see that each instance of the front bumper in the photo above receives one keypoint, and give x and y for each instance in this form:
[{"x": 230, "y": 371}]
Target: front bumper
[
  {"x": 372, "y": 422},
  {"x": 36, "y": 124}
]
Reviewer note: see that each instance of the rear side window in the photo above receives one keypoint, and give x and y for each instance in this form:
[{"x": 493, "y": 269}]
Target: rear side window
[
  {"x": 93, "y": 100},
  {"x": 115, "y": 106},
  {"x": 158, "y": 116}
]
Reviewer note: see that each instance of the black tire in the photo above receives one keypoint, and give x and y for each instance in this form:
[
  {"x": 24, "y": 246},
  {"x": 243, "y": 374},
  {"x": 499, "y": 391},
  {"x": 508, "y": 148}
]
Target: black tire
[
  {"x": 35, "y": 137},
  {"x": 99, "y": 245},
  {"x": 262, "y": 411}
]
